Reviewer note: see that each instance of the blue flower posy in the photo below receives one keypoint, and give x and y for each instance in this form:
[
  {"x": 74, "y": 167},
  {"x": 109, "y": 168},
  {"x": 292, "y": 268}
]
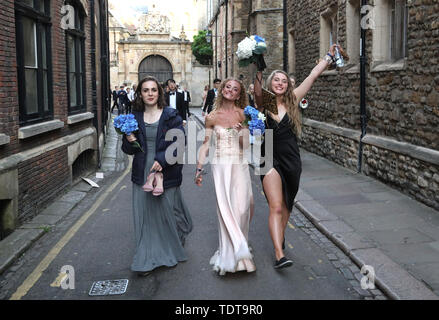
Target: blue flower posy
[
  {"x": 127, "y": 124},
  {"x": 254, "y": 120}
]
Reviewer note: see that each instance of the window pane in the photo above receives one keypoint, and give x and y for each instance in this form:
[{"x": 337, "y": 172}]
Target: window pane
[
  {"x": 31, "y": 91},
  {"x": 43, "y": 48},
  {"x": 30, "y": 3},
  {"x": 81, "y": 50},
  {"x": 72, "y": 53},
  {"x": 398, "y": 29},
  {"x": 41, "y": 5},
  {"x": 46, "y": 91},
  {"x": 81, "y": 94},
  {"x": 29, "y": 37},
  {"x": 73, "y": 93}
]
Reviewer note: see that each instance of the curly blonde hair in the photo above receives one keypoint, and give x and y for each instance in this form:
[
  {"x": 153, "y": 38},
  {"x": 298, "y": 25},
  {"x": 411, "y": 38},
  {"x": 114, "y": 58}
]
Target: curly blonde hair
[
  {"x": 290, "y": 100},
  {"x": 242, "y": 102}
]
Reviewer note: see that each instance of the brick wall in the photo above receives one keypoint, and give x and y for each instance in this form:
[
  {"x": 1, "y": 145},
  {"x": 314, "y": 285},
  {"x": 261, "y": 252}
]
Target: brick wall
[
  {"x": 8, "y": 79},
  {"x": 40, "y": 180},
  {"x": 43, "y": 177}
]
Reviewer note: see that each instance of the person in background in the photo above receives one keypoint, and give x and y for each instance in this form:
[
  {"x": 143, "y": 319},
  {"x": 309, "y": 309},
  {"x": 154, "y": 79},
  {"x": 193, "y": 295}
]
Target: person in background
[
  {"x": 114, "y": 100},
  {"x": 204, "y": 96},
  {"x": 175, "y": 99},
  {"x": 130, "y": 98},
  {"x": 211, "y": 96},
  {"x": 122, "y": 100}
]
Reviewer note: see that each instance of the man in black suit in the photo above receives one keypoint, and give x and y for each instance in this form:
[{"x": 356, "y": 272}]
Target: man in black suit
[
  {"x": 187, "y": 99},
  {"x": 122, "y": 101},
  {"x": 114, "y": 99},
  {"x": 175, "y": 99},
  {"x": 211, "y": 96}
]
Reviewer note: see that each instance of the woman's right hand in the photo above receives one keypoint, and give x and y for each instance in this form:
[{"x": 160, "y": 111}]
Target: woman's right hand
[
  {"x": 198, "y": 178},
  {"x": 131, "y": 137}
]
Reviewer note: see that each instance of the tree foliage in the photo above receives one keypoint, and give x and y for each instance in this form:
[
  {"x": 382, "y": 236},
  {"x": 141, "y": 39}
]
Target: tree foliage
[{"x": 201, "y": 49}]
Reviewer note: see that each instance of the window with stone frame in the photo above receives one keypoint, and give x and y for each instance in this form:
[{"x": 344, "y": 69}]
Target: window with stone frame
[
  {"x": 33, "y": 25},
  {"x": 353, "y": 31},
  {"x": 75, "y": 48},
  {"x": 390, "y": 32},
  {"x": 328, "y": 28},
  {"x": 398, "y": 29}
]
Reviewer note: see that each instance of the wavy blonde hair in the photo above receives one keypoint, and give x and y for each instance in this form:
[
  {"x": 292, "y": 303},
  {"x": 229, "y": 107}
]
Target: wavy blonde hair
[
  {"x": 242, "y": 102},
  {"x": 291, "y": 103}
]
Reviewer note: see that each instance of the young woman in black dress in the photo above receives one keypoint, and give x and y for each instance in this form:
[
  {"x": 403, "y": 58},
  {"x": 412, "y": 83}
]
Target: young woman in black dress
[{"x": 281, "y": 182}]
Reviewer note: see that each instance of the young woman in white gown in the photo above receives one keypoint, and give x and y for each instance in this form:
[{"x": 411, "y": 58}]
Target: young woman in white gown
[{"x": 231, "y": 177}]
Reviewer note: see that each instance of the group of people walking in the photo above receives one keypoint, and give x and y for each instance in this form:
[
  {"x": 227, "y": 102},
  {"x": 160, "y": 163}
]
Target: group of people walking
[
  {"x": 162, "y": 219},
  {"x": 123, "y": 97}
]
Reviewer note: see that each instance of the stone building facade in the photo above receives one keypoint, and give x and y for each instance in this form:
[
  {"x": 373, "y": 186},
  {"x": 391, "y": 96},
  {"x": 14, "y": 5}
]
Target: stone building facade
[
  {"x": 54, "y": 96},
  {"x": 231, "y": 21},
  {"x": 149, "y": 46},
  {"x": 401, "y": 145}
]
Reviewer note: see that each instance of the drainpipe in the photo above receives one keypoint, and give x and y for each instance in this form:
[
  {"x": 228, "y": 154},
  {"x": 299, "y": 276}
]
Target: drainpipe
[
  {"x": 216, "y": 47},
  {"x": 226, "y": 36},
  {"x": 363, "y": 118},
  {"x": 93, "y": 76}
]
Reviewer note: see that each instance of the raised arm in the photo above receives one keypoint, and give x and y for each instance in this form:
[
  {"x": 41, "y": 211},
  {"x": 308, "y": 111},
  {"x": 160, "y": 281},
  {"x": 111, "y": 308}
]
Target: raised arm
[
  {"x": 258, "y": 91},
  {"x": 306, "y": 85}
]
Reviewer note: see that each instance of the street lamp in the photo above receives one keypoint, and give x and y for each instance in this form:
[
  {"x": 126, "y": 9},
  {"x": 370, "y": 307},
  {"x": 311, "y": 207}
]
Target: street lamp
[{"x": 209, "y": 36}]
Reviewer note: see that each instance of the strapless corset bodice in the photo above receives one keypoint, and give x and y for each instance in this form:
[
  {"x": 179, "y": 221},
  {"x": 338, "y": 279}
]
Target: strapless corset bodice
[{"x": 226, "y": 143}]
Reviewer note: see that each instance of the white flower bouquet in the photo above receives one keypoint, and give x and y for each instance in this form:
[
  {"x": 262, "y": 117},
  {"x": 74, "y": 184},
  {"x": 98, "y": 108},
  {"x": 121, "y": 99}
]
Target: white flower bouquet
[{"x": 250, "y": 50}]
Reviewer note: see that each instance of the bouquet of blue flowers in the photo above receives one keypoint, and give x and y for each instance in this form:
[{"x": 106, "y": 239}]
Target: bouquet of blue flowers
[
  {"x": 127, "y": 124},
  {"x": 250, "y": 50},
  {"x": 254, "y": 119}
]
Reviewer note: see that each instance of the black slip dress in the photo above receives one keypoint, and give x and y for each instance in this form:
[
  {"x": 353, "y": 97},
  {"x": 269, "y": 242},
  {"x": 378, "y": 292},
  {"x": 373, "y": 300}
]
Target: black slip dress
[{"x": 286, "y": 157}]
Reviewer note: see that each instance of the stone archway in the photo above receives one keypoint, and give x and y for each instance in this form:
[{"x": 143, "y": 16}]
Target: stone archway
[{"x": 156, "y": 66}]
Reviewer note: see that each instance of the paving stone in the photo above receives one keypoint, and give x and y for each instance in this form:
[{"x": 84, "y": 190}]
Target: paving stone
[
  {"x": 338, "y": 226},
  {"x": 73, "y": 196},
  {"x": 314, "y": 211},
  {"x": 363, "y": 292},
  {"x": 42, "y": 220},
  {"x": 58, "y": 208},
  {"x": 398, "y": 236},
  {"x": 397, "y": 281},
  {"x": 15, "y": 244},
  {"x": 376, "y": 292},
  {"x": 336, "y": 264},
  {"x": 332, "y": 256},
  {"x": 354, "y": 269},
  {"x": 358, "y": 276},
  {"x": 347, "y": 273}
]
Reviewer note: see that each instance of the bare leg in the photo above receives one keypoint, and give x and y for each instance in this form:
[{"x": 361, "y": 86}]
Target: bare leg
[
  {"x": 252, "y": 208},
  {"x": 278, "y": 216}
]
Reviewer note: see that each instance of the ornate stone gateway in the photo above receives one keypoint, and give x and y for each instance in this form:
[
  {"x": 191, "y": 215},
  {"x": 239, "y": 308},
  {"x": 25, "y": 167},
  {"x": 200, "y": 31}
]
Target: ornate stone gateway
[{"x": 156, "y": 66}]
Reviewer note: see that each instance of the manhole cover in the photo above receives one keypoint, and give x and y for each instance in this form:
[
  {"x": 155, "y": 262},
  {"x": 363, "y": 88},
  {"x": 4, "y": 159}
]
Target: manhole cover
[{"x": 108, "y": 287}]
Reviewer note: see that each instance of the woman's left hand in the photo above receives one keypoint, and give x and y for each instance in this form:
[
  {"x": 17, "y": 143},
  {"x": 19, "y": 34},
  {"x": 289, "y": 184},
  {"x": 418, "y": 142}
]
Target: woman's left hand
[
  {"x": 238, "y": 126},
  {"x": 156, "y": 166},
  {"x": 332, "y": 50}
]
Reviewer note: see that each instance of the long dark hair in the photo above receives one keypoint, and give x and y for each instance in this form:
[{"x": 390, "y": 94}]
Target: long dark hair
[
  {"x": 291, "y": 103},
  {"x": 138, "y": 104}
]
